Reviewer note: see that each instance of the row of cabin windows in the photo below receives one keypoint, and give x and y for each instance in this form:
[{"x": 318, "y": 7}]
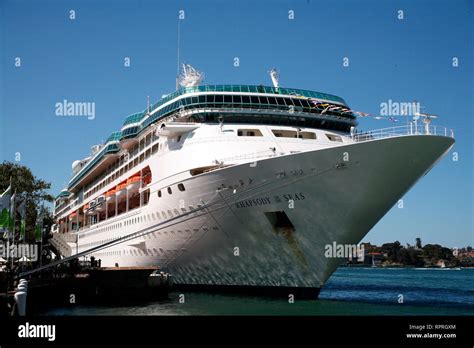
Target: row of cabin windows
[
  {"x": 287, "y": 134},
  {"x": 242, "y": 99},
  {"x": 170, "y": 191}
]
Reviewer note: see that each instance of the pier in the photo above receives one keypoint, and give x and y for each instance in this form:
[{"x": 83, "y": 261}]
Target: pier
[{"x": 83, "y": 286}]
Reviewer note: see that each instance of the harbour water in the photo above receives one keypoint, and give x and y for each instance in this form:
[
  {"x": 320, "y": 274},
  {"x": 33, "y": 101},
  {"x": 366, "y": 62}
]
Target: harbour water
[{"x": 350, "y": 291}]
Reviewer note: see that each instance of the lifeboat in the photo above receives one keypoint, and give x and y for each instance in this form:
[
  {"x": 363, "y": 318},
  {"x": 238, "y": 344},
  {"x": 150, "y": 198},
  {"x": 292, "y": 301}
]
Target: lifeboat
[
  {"x": 121, "y": 189},
  {"x": 133, "y": 183},
  {"x": 110, "y": 195},
  {"x": 72, "y": 215}
]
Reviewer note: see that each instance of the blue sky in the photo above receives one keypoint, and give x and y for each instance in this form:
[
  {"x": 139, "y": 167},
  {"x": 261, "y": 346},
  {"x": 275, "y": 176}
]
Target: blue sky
[{"x": 82, "y": 60}]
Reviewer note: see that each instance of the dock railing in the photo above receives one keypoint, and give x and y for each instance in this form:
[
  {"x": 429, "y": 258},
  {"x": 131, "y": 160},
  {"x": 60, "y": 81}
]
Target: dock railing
[{"x": 411, "y": 129}]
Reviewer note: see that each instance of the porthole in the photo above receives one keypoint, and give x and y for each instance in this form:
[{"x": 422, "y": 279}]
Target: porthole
[
  {"x": 181, "y": 187},
  {"x": 169, "y": 190}
]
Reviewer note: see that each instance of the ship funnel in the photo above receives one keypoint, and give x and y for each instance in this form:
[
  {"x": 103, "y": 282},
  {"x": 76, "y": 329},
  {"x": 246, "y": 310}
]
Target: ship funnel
[
  {"x": 274, "y": 76},
  {"x": 189, "y": 76}
]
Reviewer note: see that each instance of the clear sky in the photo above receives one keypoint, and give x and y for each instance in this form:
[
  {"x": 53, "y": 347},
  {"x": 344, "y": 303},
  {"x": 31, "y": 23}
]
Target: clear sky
[{"x": 82, "y": 60}]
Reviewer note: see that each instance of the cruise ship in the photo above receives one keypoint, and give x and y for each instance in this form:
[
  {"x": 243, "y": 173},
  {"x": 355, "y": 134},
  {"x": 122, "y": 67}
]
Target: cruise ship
[{"x": 239, "y": 186}]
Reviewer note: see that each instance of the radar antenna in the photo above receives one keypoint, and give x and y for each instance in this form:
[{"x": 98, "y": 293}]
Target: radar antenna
[
  {"x": 426, "y": 120},
  {"x": 189, "y": 76}
]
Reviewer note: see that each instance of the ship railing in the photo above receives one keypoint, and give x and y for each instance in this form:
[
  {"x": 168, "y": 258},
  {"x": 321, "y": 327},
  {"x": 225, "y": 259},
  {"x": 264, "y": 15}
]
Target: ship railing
[{"x": 406, "y": 130}]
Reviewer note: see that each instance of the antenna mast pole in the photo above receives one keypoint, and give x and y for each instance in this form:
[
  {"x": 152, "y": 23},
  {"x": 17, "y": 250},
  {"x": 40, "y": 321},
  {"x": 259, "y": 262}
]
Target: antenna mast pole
[{"x": 179, "y": 44}]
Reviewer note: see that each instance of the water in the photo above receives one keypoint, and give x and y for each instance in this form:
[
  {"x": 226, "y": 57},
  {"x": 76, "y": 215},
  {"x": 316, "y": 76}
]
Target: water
[{"x": 350, "y": 291}]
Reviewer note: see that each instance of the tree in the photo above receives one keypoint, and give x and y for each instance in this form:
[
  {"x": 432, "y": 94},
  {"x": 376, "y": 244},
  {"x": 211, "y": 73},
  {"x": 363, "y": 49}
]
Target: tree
[
  {"x": 437, "y": 252},
  {"x": 411, "y": 257},
  {"x": 27, "y": 187},
  {"x": 418, "y": 243},
  {"x": 392, "y": 250}
]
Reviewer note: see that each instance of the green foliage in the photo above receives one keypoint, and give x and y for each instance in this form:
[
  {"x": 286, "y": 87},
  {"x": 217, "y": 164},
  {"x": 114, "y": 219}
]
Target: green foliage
[
  {"x": 437, "y": 252},
  {"x": 411, "y": 257},
  {"x": 29, "y": 188},
  {"x": 392, "y": 250}
]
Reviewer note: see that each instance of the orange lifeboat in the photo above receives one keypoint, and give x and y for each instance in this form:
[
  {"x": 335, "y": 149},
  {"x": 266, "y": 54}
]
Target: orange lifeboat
[
  {"x": 121, "y": 189},
  {"x": 72, "y": 215},
  {"x": 110, "y": 195},
  {"x": 133, "y": 183}
]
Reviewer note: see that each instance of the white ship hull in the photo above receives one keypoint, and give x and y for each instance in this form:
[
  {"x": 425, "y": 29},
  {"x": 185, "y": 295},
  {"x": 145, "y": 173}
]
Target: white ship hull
[{"x": 334, "y": 201}]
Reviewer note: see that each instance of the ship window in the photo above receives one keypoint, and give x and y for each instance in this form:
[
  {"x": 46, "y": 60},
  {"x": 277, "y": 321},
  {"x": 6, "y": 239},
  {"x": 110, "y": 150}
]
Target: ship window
[
  {"x": 159, "y": 193},
  {"x": 219, "y": 98},
  {"x": 293, "y": 134},
  {"x": 249, "y": 133},
  {"x": 272, "y": 100},
  {"x": 305, "y": 103},
  {"x": 280, "y": 101},
  {"x": 334, "y": 137},
  {"x": 202, "y": 99},
  {"x": 237, "y": 99},
  {"x": 263, "y": 100},
  {"x": 210, "y": 98},
  {"x": 181, "y": 187},
  {"x": 195, "y": 100},
  {"x": 296, "y": 102},
  {"x": 254, "y": 100},
  {"x": 169, "y": 190},
  {"x": 227, "y": 99},
  {"x": 246, "y": 99}
]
